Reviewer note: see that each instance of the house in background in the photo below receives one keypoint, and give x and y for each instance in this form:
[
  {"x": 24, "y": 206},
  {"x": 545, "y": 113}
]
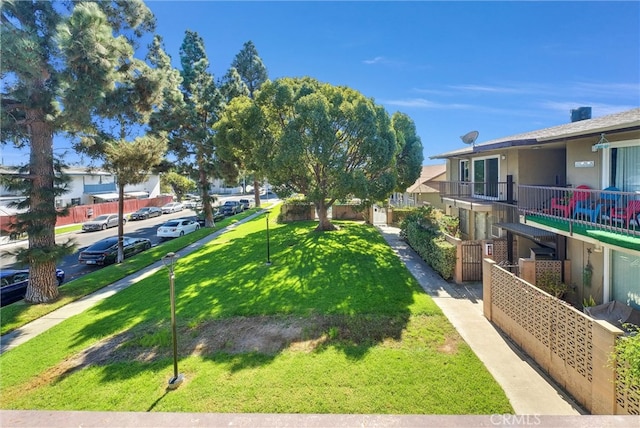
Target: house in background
[
  {"x": 89, "y": 186},
  {"x": 426, "y": 189},
  {"x": 569, "y": 193}
]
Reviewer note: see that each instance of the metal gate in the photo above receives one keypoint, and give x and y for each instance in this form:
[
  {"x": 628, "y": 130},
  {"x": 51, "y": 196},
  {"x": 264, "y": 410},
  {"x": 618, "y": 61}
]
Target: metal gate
[{"x": 471, "y": 261}]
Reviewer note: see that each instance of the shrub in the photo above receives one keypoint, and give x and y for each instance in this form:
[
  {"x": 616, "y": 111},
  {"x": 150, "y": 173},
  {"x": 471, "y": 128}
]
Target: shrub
[
  {"x": 432, "y": 248},
  {"x": 550, "y": 282},
  {"x": 627, "y": 353}
]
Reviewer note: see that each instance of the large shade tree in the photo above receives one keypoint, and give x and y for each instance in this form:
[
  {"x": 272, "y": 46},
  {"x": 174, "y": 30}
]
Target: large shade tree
[
  {"x": 410, "y": 154},
  {"x": 327, "y": 142},
  {"x": 59, "y": 59}
]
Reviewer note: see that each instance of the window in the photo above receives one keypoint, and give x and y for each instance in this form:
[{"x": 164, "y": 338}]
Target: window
[
  {"x": 625, "y": 168},
  {"x": 625, "y": 270},
  {"x": 485, "y": 177},
  {"x": 464, "y": 170}
]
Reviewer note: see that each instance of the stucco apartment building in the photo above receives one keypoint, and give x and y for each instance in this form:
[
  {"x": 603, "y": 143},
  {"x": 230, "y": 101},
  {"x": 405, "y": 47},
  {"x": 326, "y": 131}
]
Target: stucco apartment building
[{"x": 569, "y": 193}]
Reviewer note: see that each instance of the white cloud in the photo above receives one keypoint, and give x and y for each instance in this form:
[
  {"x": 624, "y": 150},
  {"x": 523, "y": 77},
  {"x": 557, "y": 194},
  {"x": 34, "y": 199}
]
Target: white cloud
[
  {"x": 480, "y": 88},
  {"x": 424, "y": 103},
  {"x": 376, "y": 60}
]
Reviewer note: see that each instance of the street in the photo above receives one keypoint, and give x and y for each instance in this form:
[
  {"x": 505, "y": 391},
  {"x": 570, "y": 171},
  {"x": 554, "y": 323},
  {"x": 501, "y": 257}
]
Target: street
[{"x": 141, "y": 228}]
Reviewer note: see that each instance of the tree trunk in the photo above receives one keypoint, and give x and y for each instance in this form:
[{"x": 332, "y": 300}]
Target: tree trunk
[
  {"x": 256, "y": 191},
  {"x": 206, "y": 199},
  {"x": 324, "y": 225},
  {"x": 43, "y": 286},
  {"x": 120, "y": 258}
]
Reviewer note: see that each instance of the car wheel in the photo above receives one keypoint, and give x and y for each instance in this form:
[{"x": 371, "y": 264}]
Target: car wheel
[
  {"x": 182, "y": 233},
  {"x": 197, "y": 226},
  {"x": 147, "y": 246},
  {"x": 104, "y": 227}
]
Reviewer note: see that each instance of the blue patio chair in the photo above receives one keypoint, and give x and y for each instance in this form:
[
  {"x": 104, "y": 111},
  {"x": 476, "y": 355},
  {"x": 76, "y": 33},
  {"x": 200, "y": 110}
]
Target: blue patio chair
[{"x": 592, "y": 209}]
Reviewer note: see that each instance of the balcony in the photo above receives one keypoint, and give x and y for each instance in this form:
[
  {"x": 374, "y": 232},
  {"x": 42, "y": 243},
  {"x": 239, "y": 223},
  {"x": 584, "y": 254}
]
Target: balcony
[
  {"x": 471, "y": 194},
  {"x": 604, "y": 215}
]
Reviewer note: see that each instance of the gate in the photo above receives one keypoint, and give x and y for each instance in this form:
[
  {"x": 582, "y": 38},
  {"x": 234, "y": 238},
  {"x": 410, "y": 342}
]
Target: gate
[
  {"x": 471, "y": 261},
  {"x": 379, "y": 215}
]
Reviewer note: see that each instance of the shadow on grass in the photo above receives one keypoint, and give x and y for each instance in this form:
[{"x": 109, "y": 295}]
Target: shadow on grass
[{"x": 345, "y": 289}]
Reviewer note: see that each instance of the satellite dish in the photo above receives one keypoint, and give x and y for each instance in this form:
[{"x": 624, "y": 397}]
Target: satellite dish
[{"x": 470, "y": 137}]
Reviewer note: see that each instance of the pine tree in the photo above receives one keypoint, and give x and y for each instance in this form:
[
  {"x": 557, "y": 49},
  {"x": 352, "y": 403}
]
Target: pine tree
[{"x": 58, "y": 61}]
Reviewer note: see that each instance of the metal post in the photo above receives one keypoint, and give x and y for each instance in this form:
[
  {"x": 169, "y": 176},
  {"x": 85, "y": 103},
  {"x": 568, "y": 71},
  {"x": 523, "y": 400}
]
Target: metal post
[
  {"x": 168, "y": 260},
  {"x": 268, "y": 246}
]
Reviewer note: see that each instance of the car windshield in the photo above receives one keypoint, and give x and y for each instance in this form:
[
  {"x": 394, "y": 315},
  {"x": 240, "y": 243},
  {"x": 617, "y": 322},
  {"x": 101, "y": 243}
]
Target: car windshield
[
  {"x": 101, "y": 217},
  {"x": 104, "y": 244},
  {"x": 142, "y": 210},
  {"x": 171, "y": 224}
]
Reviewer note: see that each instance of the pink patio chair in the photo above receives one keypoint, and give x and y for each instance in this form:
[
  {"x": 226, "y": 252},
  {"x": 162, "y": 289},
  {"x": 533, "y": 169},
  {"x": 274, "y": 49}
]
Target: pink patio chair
[
  {"x": 565, "y": 206},
  {"x": 626, "y": 214}
]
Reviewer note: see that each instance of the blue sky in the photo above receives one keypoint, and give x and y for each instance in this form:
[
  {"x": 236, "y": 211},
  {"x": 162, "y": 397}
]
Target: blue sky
[{"x": 500, "y": 68}]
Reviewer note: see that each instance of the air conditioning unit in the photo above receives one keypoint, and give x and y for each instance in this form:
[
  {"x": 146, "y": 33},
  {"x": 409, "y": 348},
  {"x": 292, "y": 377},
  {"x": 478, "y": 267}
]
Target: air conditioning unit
[{"x": 497, "y": 231}]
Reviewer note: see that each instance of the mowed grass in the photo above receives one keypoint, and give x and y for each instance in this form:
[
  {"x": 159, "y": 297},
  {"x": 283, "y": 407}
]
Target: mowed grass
[
  {"x": 367, "y": 338},
  {"x": 17, "y": 314}
]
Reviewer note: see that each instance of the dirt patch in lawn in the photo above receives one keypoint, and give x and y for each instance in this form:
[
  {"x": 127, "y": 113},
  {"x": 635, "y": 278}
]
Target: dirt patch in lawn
[{"x": 264, "y": 335}]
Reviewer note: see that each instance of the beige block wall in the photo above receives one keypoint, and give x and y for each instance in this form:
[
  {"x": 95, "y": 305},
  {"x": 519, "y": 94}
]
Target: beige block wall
[{"x": 573, "y": 348}]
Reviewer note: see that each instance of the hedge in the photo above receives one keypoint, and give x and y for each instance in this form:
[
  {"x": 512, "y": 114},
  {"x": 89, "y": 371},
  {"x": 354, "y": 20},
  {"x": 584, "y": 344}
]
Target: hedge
[{"x": 432, "y": 248}]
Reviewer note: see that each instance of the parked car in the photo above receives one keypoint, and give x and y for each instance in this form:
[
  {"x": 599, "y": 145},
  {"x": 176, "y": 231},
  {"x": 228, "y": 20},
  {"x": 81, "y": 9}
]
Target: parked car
[
  {"x": 105, "y": 251},
  {"x": 145, "y": 213},
  {"x": 13, "y": 284},
  {"x": 190, "y": 203},
  {"x": 268, "y": 195},
  {"x": 217, "y": 216},
  {"x": 102, "y": 222},
  {"x": 178, "y": 227},
  {"x": 172, "y": 207},
  {"x": 231, "y": 208},
  {"x": 246, "y": 204}
]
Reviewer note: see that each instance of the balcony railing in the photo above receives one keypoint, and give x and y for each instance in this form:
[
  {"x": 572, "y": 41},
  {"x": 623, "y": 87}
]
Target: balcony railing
[
  {"x": 97, "y": 188},
  {"x": 606, "y": 210},
  {"x": 492, "y": 191}
]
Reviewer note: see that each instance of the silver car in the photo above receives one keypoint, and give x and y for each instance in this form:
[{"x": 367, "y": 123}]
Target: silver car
[
  {"x": 102, "y": 222},
  {"x": 172, "y": 207}
]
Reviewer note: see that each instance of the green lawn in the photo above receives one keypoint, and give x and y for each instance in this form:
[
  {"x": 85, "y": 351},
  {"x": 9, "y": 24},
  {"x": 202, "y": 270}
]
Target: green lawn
[
  {"x": 335, "y": 325},
  {"x": 18, "y": 314}
]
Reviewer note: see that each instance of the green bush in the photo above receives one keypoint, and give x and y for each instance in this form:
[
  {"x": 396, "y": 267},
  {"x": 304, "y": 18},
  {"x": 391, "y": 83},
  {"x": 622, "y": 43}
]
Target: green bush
[
  {"x": 400, "y": 214},
  {"x": 627, "y": 352},
  {"x": 432, "y": 248}
]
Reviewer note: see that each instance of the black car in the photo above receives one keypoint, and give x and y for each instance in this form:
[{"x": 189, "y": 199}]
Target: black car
[
  {"x": 217, "y": 216},
  {"x": 231, "y": 208},
  {"x": 146, "y": 212},
  {"x": 14, "y": 284},
  {"x": 105, "y": 251}
]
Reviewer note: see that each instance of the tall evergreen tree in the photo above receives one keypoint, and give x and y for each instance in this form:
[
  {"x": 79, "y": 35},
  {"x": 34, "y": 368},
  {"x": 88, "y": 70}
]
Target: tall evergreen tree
[
  {"x": 189, "y": 123},
  {"x": 58, "y": 61},
  {"x": 253, "y": 74},
  {"x": 141, "y": 90}
]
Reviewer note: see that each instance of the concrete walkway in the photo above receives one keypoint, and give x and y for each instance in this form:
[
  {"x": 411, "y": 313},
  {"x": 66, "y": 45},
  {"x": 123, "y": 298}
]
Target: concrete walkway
[{"x": 529, "y": 390}]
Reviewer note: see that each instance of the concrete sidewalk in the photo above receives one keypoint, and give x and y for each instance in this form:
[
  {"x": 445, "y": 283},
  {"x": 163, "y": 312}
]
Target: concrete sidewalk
[{"x": 530, "y": 391}]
